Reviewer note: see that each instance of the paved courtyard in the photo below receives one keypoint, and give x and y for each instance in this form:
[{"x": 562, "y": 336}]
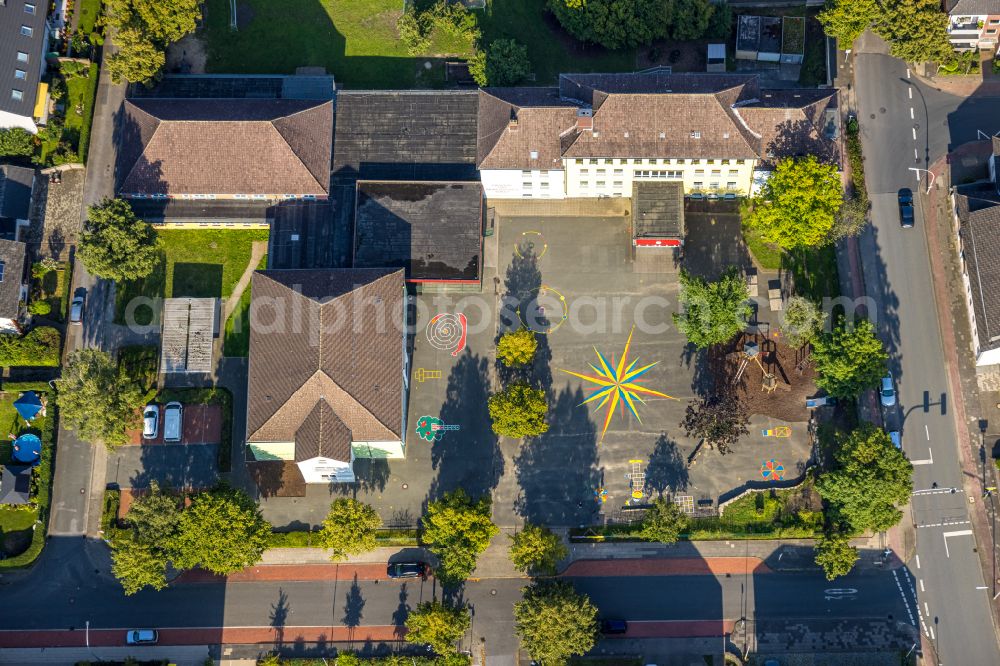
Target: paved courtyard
[{"x": 573, "y": 280}]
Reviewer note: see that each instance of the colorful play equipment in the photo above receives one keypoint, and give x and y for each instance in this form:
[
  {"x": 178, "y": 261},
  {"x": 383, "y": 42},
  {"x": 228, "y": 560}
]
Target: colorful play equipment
[
  {"x": 636, "y": 479},
  {"x": 779, "y": 431},
  {"x": 772, "y": 470},
  {"x": 447, "y": 332}
]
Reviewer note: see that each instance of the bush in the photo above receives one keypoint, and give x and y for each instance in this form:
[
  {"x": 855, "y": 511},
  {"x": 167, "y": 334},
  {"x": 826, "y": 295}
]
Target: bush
[
  {"x": 40, "y": 308},
  {"x": 38, "y": 348},
  {"x": 506, "y": 63}
]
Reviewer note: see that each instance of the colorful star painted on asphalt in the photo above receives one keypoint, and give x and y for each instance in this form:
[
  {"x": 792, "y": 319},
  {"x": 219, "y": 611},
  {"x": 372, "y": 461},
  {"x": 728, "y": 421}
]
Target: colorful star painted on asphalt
[{"x": 618, "y": 385}]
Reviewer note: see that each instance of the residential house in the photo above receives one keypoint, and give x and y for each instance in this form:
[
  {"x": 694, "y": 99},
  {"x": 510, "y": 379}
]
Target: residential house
[
  {"x": 16, "y": 185},
  {"x": 13, "y": 290},
  {"x": 328, "y": 370},
  {"x": 15, "y": 484},
  {"x": 976, "y": 219},
  {"x": 973, "y": 24},
  {"x": 24, "y": 39}
]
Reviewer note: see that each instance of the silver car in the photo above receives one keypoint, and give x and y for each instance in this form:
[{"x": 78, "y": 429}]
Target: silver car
[
  {"x": 150, "y": 421},
  {"x": 76, "y": 310},
  {"x": 888, "y": 392}
]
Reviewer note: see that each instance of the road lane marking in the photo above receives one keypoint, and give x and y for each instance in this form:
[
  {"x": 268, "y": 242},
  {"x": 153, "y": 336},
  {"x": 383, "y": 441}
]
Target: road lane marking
[
  {"x": 911, "y": 113},
  {"x": 927, "y": 610},
  {"x": 927, "y": 432},
  {"x": 953, "y": 534},
  {"x": 922, "y": 585},
  {"x": 946, "y": 523},
  {"x": 906, "y": 602},
  {"x": 982, "y": 587},
  {"x": 928, "y": 461},
  {"x": 916, "y": 157},
  {"x": 933, "y": 637},
  {"x": 938, "y": 491},
  {"x": 910, "y": 90},
  {"x": 918, "y": 561},
  {"x": 914, "y": 133},
  {"x": 907, "y": 72}
]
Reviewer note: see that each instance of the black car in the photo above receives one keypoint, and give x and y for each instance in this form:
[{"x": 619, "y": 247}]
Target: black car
[
  {"x": 905, "y": 197},
  {"x": 614, "y": 626},
  {"x": 406, "y": 570}
]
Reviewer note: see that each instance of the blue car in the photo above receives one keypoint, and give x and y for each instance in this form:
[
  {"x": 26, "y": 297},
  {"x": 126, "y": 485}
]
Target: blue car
[{"x": 888, "y": 392}]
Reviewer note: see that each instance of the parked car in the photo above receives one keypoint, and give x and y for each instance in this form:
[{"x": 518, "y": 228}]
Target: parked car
[
  {"x": 150, "y": 421},
  {"x": 406, "y": 570},
  {"x": 888, "y": 392},
  {"x": 905, "y": 198},
  {"x": 896, "y": 439},
  {"x": 76, "y": 309},
  {"x": 614, "y": 626},
  {"x": 141, "y": 637},
  {"x": 173, "y": 421}
]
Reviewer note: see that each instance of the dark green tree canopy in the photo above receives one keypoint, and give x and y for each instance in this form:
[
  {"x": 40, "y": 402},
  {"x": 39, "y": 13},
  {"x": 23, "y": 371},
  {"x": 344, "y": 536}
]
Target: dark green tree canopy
[
  {"x": 222, "y": 531},
  {"x": 663, "y": 522},
  {"x": 116, "y": 245},
  {"x": 614, "y": 24},
  {"x": 718, "y": 419},
  {"x": 519, "y": 411},
  {"x": 349, "y": 528},
  {"x": 504, "y": 63},
  {"x": 836, "y": 555},
  {"x": 438, "y": 625},
  {"x": 845, "y": 20},
  {"x": 916, "y": 29},
  {"x": 712, "y": 312},
  {"x": 457, "y": 530},
  {"x": 96, "y": 399},
  {"x": 849, "y": 360},
  {"x": 536, "y": 550},
  {"x": 554, "y": 622},
  {"x": 871, "y": 478},
  {"x": 16, "y": 142}
]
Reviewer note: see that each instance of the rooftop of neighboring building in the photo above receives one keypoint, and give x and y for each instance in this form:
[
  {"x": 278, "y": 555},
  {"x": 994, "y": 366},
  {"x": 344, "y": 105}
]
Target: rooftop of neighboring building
[
  {"x": 972, "y": 7},
  {"x": 11, "y": 277},
  {"x": 434, "y": 230},
  {"x": 658, "y": 210},
  {"x": 15, "y": 191},
  {"x": 22, "y": 49},
  {"x": 980, "y": 232}
]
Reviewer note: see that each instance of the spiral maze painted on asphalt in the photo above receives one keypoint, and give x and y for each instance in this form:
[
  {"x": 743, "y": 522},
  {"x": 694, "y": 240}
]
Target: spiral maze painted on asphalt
[{"x": 447, "y": 332}]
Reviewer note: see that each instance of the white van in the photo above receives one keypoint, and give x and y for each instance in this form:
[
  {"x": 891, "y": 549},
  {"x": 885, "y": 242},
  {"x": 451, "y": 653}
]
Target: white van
[{"x": 173, "y": 422}]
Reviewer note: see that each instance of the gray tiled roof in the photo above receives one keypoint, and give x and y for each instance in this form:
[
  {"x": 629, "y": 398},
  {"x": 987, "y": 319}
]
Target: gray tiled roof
[
  {"x": 973, "y": 7},
  {"x": 15, "y": 484},
  {"x": 15, "y": 191},
  {"x": 325, "y": 338},
  {"x": 12, "y": 17},
  {"x": 432, "y": 229},
  {"x": 980, "y": 232},
  {"x": 12, "y": 256}
]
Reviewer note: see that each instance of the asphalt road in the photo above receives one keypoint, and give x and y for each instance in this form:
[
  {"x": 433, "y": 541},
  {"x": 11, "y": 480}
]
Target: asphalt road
[{"x": 953, "y": 606}]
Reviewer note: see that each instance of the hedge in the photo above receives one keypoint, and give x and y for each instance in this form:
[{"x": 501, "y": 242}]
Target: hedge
[{"x": 38, "y": 348}]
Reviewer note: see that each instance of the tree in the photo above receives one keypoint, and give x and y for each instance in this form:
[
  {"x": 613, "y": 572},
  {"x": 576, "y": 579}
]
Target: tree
[
  {"x": 691, "y": 19},
  {"x": 137, "y": 60},
  {"x": 116, "y": 245},
  {"x": 719, "y": 420},
  {"x": 438, "y": 625},
  {"x": 536, "y": 550},
  {"x": 506, "y": 62},
  {"x": 849, "y": 360},
  {"x": 519, "y": 411},
  {"x": 712, "y": 312},
  {"x": 16, "y": 142},
  {"x": 517, "y": 348},
  {"x": 845, "y": 20},
  {"x": 349, "y": 528},
  {"x": 797, "y": 205},
  {"x": 916, "y": 29},
  {"x": 96, "y": 399},
  {"x": 222, "y": 531},
  {"x": 155, "y": 517},
  {"x": 836, "y": 555},
  {"x": 554, "y": 622},
  {"x": 663, "y": 522},
  {"x": 137, "y": 565},
  {"x": 457, "y": 530},
  {"x": 870, "y": 479},
  {"x": 803, "y": 321},
  {"x": 39, "y": 347},
  {"x": 477, "y": 68},
  {"x": 614, "y": 24},
  {"x": 160, "y": 22},
  {"x": 851, "y": 218}
]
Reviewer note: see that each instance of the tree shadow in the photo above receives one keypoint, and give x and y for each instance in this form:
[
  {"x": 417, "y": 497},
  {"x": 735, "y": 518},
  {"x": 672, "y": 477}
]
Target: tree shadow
[
  {"x": 401, "y": 613},
  {"x": 354, "y": 607},
  {"x": 797, "y": 138},
  {"x": 667, "y": 468},
  {"x": 469, "y": 458},
  {"x": 524, "y": 305},
  {"x": 557, "y": 471},
  {"x": 278, "y": 618}
]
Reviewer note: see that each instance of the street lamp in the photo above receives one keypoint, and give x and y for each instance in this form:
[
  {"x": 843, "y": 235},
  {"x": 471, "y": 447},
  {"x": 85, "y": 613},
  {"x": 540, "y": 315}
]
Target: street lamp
[{"x": 928, "y": 172}]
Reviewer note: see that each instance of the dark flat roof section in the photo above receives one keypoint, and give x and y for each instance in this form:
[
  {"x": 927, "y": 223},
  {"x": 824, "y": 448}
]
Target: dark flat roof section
[
  {"x": 658, "y": 209},
  {"x": 433, "y": 230},
  {"x": 302, "y": 236}
]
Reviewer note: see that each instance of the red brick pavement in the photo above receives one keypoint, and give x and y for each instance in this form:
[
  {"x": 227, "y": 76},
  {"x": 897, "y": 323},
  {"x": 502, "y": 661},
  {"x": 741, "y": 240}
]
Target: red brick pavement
[
  {"x": 202, "y": 425},
  {"x": 204, "y": 636},
  {"x": 680, "y": 566},
  {"x": 677, "y": 629},
  {"x": 289, "y": 572}
]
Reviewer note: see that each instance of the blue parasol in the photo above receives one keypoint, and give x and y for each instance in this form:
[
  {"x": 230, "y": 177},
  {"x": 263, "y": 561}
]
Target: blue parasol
[
  {"x": 28, "y": 405},
  {"x": 27, "y": 449}
]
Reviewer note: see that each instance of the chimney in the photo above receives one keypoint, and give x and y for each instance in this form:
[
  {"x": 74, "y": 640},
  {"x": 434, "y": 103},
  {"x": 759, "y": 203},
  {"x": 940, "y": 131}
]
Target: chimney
[
  {"x": 512, "y": 125},
  {"x": 585, "y": 119}
]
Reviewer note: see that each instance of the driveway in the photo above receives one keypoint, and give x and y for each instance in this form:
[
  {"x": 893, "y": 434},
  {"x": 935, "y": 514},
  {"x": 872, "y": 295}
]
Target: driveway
[{"x": 174, "y": 465}]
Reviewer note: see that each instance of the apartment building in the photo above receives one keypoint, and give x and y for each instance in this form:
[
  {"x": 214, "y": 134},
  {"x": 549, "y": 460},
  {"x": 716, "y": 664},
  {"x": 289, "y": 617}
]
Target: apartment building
[
  {"x": 973, "y": 24},
  {"x": 24, "y": 37}
]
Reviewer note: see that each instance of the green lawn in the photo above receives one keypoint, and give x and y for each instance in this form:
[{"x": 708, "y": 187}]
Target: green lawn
[
  {"x": 814, "y": 270},
  {"x": 89, "y": 11},
  {"x": 551, "y": 50},
  {"x": 80, "y": 93},
  {"x": 237, "y": 340},
  {"x": 194, "y": 262},
  {"x": 356, "y": 40},
  {"x": 767, "y": 255}
]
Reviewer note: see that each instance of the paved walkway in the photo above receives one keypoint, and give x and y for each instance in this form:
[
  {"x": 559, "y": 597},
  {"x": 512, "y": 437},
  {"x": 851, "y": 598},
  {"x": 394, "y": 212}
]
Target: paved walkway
[
  {"x": 205, "y": 636},
  {"x": 257, "y": 252}
]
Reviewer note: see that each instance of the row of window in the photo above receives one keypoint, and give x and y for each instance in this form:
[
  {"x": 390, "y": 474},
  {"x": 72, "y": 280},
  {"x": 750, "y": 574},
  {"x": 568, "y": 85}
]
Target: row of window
[
  {"x": 714, "y": 185},
  {"x": 651, "y": 161},
  {"x": 255, "y": 197}
]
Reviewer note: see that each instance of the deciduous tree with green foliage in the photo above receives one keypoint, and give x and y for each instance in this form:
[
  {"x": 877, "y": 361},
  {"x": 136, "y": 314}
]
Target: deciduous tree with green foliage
[
  {"x": 663, "y": 522},
  {"x": 712, "y": 312},
  {"x": 870, "y": 479},
  {"x": 917, "y": 30},
  {"x": 517, "y": 348},
  {"x": 162, "y": 22},
  {"x": 222, "y": 531},
  {"x": 519, "y": 411},
  {"x": 555, "y": 622},
  {"x": 691, "y": 19},
  {"x": 718, "y": 419},
  {"x": 16, "y": 142},
  {"x": 139, "y": 553},
  {"x": 802, "y": 321},
  {"x": 138, "y": 565},
  {"x": 457, "y": 530},
  {"x": 797, "y": 205},
  {"x": 137, "y": 60},
  {"x": 39, "y": 347},
  {"x": 96, "y": 399},
  {"x": 504, "y": 63},
  {"x": 349, "y": 528},
  {"x": 117, "y": 245},
  {"x": 849, "y": 360},
  {"x": 536, "y": 550},
  {"x": 154, "y": 518},
  {"x": 614, "y": 24},
  {"x": 845, "y": 20},
  {"x": 836, "y": 555},
  {"x": 438, "y": 625}
]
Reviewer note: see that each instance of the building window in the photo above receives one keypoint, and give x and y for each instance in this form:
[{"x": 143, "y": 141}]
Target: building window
[
  {"x": 699, "y": 172},
  {"x": 619, "y": 172},
  {"x": 731, "y": 185},
  {"x": 584, "y": 184},
  {"x": 526, "y": 186},
  {"x": 29, "y": 8},
  {"x": 579, "y": 161},
  {"x": 601, "y": 183},
  {"x": 20, "y": 74},
  {"x": 734, "y": 172},
  {"x": 716, "y": 172},
  {"x": 695, "y": 161},
  {"x": 544, "y": 186},
  {"x": 16, "y": 95},
  {"x": 593, "y": 161},
  {"x": 740, "y": 161},
  {"x": 695, "y": 135},
  {"x": 994, "y": 21},
  {"x": 710, "y": 161},
  {"x": 601, "y": 172},
  {"x": 3, "y": 267},
  {"x": 698, "y": 184},
  {"x": 26, "y": 30},
  {"x": 584, "y": 172},
  {"x": 607, "y": 161},
  {"x": 617, "y": 183},
  {"x": 22, "y": 56},
  {"x": 725, "y": 161},
  {"x": 544, "y": 174},
  {"x": 525, "y": 174},
  {"x": 713, "y": 186}
]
